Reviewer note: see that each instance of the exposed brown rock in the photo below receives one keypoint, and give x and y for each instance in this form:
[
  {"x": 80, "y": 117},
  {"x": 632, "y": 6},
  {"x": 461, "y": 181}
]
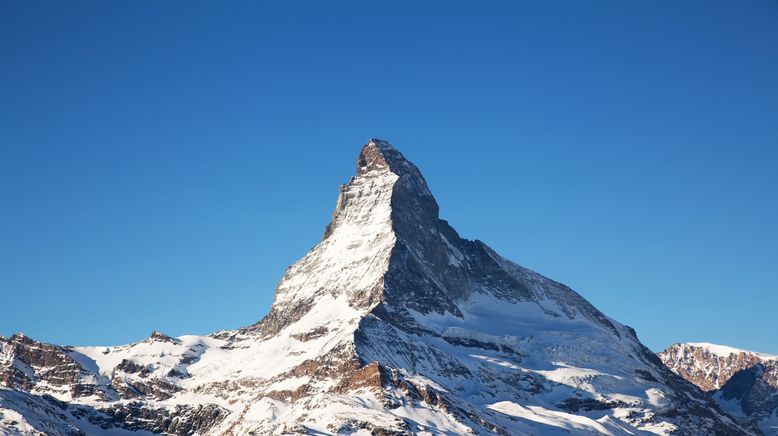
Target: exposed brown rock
[
  {"x": 710, "y": 371},
  {"x": 30, "y": 362}
]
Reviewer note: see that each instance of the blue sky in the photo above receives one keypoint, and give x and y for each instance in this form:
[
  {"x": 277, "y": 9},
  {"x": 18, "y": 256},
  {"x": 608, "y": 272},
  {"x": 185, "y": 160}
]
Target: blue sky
[{"x": 161, "y": 163}]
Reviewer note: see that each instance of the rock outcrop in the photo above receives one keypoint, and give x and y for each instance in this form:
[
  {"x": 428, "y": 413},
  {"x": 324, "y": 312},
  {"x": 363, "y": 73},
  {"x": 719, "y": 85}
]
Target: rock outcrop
[{"x": 743, "y": 382}]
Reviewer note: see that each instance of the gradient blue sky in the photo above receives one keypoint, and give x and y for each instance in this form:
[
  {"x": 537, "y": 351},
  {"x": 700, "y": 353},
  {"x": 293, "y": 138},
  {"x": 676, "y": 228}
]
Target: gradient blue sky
[{"x": 163, "y": 162}]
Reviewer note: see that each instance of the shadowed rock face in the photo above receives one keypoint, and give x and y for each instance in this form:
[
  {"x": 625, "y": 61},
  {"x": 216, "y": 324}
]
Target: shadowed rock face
[
  {"x": 392, "y": 324},
  {"x": 744, "y": 381}
]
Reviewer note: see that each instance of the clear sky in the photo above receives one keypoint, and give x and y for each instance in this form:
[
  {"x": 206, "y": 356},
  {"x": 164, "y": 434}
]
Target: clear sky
[{"x": 161, "y": 163}]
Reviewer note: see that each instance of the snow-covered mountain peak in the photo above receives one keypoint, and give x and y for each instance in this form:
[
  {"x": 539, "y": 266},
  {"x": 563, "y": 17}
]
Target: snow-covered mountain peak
[
  {"x": 380, "y": 155},
  {"x": 710, "y": 366},
  {"x": 745, "y": 383},
  {"x": 391, "y": 324},
  {"x": 371, "y": 157},
  {"x": 346, "y": 269},
  {"x": 384, "y": 209}
]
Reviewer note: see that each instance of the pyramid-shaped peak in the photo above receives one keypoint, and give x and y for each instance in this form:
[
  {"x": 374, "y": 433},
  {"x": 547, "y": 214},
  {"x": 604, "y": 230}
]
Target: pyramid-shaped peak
[
  {"x": 380, "y": 143},
  {"x": 380, "y": 155},
  {"x": 391, "y": 309},
  {"x": 377, "y": 154}
]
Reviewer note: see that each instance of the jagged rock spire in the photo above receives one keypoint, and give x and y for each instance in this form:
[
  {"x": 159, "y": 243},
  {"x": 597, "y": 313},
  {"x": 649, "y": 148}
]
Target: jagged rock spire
[
  {"x": 372, "y": 156},
  {"x": 410, "y": 193}
]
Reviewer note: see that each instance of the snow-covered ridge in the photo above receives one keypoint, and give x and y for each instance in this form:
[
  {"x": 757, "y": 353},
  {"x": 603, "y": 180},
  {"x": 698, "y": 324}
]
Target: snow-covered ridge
[{"x": 723, "y": 350}]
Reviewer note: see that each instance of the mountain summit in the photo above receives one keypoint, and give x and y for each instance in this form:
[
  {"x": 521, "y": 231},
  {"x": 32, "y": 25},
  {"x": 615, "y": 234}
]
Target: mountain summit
[
  {"x": 392, "y": 324},
  {"x": 744, "y": 383}
]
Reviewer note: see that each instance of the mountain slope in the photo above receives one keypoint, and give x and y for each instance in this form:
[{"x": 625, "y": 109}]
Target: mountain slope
[
  {"x": 392, "y": 324},
  {"x": 743, "y": 382}
]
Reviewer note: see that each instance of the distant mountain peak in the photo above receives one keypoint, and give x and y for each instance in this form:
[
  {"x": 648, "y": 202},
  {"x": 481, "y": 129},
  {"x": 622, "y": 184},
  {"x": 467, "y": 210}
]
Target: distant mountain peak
[{"x": 744, "y": 382}]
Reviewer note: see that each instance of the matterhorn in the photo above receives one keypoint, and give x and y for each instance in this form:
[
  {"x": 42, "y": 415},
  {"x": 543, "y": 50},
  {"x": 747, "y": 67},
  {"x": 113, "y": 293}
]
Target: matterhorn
[{"x": 391, "y": 325}]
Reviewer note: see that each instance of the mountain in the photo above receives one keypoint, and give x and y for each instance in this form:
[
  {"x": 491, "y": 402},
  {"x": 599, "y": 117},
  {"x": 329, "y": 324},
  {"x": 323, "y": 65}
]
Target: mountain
[
  {"x": 392, "y": 324},
  {"x": 743, "y": 382}
]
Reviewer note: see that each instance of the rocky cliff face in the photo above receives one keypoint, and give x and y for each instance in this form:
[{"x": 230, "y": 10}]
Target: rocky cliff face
[
  {"x": 392, "y": 324},
  {"x": 743, "y": 382}
]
